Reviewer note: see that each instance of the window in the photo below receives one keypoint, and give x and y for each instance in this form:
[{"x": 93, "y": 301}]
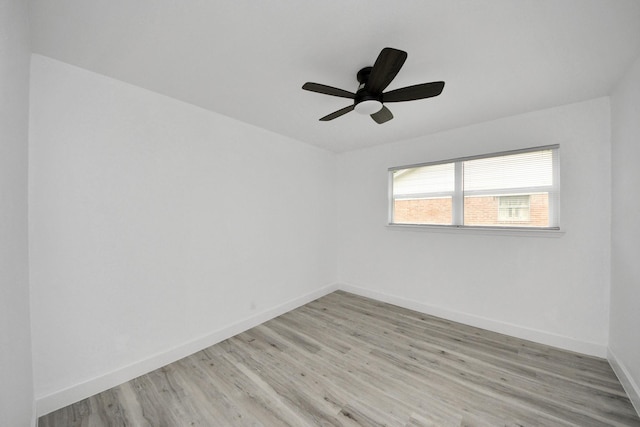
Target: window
[
  {"x": 514, "y": 189},
  {"x": 514, "y": 208}
]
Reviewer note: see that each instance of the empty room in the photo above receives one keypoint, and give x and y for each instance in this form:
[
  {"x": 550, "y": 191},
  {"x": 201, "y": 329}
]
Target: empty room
[{"x": 334, "y": 213}]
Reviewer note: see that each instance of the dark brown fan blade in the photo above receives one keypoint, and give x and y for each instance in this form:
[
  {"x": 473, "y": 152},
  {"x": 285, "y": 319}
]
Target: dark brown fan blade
[
  {"x": 337, "y": 114},
  {"x": 411, "y": 93},
  {"x": 328, "y": 90},
  {"x": 382, "y": 116},
  {"x": 385, "y": 69}
]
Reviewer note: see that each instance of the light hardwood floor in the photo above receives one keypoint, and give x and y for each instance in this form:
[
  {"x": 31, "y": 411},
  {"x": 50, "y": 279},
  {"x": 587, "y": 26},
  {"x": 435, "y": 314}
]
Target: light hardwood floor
[{"x": 345, "y": 360}]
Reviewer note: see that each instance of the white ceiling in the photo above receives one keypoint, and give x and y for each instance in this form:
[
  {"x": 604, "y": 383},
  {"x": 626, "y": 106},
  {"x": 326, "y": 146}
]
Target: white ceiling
[{"x": 248, "y": 59}]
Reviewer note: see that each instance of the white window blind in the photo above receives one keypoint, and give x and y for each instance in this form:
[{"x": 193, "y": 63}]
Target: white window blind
[
  {"x": 513, "y": 189},
  {"x": 425, "y": 181}
]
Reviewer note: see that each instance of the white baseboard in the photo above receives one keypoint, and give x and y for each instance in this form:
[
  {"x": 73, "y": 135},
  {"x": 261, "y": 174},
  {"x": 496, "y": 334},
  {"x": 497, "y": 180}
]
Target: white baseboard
[
  {"x": 67, "y": 396},
  {"x": 72, "y": 394},
  {"x": 34, "y": 415},
  {"x": 630, "y": 386},
  {"x": 542, "y": 337}
]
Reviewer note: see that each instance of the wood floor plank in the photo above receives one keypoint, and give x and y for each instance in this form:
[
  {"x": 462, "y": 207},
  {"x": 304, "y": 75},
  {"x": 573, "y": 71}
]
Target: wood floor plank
[
  {"x": 597, "y": 372},
  {"x": 573, "y": 410},
  {"x": 599, "y": 404},
  {"x": 345, "y": 360}
]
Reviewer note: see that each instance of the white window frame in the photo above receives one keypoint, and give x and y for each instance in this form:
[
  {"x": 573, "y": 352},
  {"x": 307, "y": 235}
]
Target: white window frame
[{"x": 459, "y": 194}]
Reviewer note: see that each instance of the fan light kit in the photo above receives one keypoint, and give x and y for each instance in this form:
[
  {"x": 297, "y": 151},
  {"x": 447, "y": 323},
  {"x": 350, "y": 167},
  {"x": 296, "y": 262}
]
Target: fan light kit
[
  {"x": 369, "y": 98},
  {"x": 368, "y": 107}
]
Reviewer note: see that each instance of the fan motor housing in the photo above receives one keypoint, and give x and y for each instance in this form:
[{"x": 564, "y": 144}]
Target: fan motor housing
[
  {"x": 363, "y": 75},
  {"x": 362, "y": 94}
]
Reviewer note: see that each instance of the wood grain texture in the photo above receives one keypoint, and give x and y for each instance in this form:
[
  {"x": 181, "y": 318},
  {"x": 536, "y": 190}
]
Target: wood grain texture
[{"x": 345, "y": 360}]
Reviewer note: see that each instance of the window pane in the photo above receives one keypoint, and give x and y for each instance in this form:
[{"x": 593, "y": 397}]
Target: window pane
[
  {"x": 522, "y": 210},
  {"x": 437, "y": 210},
  {"x": 412, "y": 182},
  {"x": 523, "y": 170},
  {"x": 424, "y": 195}
]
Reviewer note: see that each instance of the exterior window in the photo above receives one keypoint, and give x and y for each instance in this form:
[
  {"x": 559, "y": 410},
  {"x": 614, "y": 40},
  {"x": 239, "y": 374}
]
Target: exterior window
[
  {"x": 514, "y": 189},
  {"x": 514, "y": 208}
]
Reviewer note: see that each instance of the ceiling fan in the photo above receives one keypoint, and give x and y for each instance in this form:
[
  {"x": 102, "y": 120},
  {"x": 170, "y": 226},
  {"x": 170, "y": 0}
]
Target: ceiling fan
[{"x": 369, "y": 98}]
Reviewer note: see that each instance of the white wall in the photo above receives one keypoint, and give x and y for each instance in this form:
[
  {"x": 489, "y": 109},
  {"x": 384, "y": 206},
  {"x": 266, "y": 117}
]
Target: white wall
[
  {"x": 16, "y": 385},
  {"x": 553, "y": 290},
  {"x": 156, "y": 226},
  {"x": 624, "y": 339}
]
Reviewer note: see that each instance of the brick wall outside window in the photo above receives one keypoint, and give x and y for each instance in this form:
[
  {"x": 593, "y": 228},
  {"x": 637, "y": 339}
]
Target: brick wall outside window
[
  {"x": 478, "y": 211},
  {"x": 423, "y": 211}
]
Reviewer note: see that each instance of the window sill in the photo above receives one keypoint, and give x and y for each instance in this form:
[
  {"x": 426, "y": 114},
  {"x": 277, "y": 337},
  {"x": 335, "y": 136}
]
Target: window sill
[{"x": 494, "y": 231}]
